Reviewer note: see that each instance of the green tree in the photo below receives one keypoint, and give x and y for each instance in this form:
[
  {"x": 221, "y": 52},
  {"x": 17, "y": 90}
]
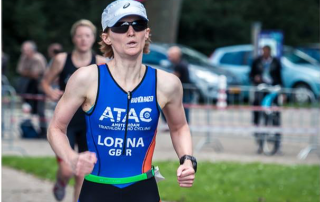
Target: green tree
[
  {"x": 209, "y": 24},
  {"x": 204, "y": 25},
  {"x": 164, "y": 19}
]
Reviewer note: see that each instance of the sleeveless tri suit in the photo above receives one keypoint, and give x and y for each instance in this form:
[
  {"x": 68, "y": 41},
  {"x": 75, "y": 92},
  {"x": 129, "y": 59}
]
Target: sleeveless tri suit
[{"x": 121, "y": 130}]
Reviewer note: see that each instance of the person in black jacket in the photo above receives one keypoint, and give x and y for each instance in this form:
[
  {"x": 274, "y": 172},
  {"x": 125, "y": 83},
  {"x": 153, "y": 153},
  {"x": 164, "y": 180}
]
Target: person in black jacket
[
  {"x": 181, "y": 70},
  {"x": 265, "y": 69}
]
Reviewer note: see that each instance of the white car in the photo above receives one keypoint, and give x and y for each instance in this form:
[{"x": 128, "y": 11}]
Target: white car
[{"x": 299, "y": 71}]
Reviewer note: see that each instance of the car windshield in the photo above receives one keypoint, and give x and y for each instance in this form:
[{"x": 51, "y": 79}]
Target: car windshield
[
  {"x": 313, "y": 52},
  {"x": 195, "y": 57},
  {"x": 297, "y": 57}
]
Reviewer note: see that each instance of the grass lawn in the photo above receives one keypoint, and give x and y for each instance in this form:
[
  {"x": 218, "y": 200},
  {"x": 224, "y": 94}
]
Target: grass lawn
[{"x": 215, "y": 182}]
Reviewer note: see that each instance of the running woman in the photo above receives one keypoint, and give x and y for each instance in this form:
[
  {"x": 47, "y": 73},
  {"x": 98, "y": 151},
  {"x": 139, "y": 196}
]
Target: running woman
[
  {"x": 83, "y": 34},
  {"x": 122, "y": 100}
]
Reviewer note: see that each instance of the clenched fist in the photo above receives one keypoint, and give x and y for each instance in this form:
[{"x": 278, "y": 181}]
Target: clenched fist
[
  {"x": 83, "y": 163},
  {"x": 186, "y": 174}
]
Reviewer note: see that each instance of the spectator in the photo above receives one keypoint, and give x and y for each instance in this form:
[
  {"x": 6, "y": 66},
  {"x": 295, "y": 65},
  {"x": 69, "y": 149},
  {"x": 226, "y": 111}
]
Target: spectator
[
  {"x": 265, "y": 69},
  {"x": 181, "y": 70},
  {"x": 53, "y": 50},
  {"x": 31, "y": 67}
]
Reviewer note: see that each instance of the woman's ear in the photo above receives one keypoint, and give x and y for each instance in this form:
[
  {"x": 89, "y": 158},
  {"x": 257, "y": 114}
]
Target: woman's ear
[
  {"x": 147, "y": 35},
  {"x": 105, "y": 37}
]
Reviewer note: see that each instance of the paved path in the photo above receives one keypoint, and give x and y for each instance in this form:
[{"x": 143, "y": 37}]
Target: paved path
[{"x": 21, "y": 187}]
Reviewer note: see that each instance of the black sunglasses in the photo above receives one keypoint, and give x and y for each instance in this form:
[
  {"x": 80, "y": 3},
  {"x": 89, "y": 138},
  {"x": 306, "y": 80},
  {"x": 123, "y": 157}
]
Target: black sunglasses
[{"x": 122, "y": 27}]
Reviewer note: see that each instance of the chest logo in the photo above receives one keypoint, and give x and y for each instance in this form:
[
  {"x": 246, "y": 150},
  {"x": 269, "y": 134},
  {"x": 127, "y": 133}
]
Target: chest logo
[{"x": 120, "y": 115}]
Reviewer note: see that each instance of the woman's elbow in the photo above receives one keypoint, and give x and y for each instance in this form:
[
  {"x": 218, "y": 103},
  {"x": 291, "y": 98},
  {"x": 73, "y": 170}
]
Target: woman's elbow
[
  {"x": 52, "y": 130},
  {"x": 49, "y": 134}
]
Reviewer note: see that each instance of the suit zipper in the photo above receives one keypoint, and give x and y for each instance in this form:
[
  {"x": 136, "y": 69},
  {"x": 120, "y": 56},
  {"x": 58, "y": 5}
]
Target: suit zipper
[{"x": 126, "y": 128}]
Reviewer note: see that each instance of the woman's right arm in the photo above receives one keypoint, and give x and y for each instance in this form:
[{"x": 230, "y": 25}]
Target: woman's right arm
[
  {"x": 50, "y": 76},
  {"x": 74, "y": 97}
]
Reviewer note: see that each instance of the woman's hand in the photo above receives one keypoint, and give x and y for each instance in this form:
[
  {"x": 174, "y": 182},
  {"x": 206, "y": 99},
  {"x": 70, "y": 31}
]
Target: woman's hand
[
  {"x": 186, "y": 174},
  {"x": 83, "y": 163}
]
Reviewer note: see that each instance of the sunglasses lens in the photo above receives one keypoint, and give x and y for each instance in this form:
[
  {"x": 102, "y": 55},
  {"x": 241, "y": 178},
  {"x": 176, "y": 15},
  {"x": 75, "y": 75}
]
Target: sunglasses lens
[
  {"x": 122, "y": 27},
  {"x": 140, "y": 25}
]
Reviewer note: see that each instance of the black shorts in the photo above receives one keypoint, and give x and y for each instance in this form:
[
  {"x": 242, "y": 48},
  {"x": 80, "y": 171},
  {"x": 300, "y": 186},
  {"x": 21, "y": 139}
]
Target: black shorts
[
  {"x": 142, "y": 191},
  {"x": 77, "y": 136}
]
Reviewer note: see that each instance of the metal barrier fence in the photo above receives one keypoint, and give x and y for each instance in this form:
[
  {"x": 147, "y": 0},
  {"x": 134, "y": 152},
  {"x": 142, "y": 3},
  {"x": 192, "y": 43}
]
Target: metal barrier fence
[
  {"x": 13, "y": 112},
  {"x": 231, "y": 116},
  {"x": 9, "y": 117},
  {"x": 228, "y": 116}
]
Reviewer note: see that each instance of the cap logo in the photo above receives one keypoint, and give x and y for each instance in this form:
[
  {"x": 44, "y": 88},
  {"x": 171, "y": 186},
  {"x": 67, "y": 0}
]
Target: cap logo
[{"x": 126, "y": 5}]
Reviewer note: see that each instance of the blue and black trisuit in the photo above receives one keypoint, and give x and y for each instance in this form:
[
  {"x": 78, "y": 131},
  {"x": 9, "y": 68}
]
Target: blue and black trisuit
[{"x": 121, "y": 130}]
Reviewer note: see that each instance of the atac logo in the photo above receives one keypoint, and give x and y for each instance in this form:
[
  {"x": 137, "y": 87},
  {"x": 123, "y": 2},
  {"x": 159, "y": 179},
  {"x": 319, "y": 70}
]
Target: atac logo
[{"x": 119, "y": 115}]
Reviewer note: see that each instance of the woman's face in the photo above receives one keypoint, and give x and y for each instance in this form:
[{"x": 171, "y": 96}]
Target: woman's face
[
  {"x": 130, "y": 43},
  {"x": 83, "y": 38}
]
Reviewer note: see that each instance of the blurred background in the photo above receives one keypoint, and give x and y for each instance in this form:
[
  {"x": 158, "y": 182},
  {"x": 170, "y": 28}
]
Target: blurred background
[
  {"x": 204, "y": 25},
  {"x": 219, "y": 40}
]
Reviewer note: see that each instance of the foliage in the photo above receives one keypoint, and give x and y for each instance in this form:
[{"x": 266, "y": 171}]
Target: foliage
[
  {"x": 44, "y": 22},
  {"x": 221, "y": 182},
  {"x": 214, "y": 23},
  {"x": 204, "y": 26}
]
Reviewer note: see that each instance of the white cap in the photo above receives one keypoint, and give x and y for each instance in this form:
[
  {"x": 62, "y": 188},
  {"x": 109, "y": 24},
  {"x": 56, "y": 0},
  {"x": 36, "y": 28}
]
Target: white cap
[{"x": 119, "y": 9}]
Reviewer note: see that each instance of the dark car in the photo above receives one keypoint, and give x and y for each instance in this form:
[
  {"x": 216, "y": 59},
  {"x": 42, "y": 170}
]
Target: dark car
[{"x": 203, "y": 75}]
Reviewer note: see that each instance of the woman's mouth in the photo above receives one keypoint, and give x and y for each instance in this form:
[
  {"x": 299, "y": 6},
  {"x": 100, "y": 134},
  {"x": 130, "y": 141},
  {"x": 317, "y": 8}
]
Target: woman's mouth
[{"x": 132, "y": 43}]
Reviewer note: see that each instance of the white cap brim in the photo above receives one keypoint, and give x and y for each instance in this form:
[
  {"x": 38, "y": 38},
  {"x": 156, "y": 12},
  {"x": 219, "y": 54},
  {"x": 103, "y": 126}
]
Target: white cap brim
[{"x": 120, "y": 9}]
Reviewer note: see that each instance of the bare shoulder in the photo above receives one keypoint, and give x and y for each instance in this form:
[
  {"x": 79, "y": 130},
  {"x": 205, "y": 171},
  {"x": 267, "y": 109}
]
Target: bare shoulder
[
  {"x": 167, "y": 82},
  {"x": 87, "y": 80},
  {"x": 86, "y": 74},
  {"x": 101, "y": 59},
  {"x": 169, "y": 87},
  {"x": 82, "y": 78}
]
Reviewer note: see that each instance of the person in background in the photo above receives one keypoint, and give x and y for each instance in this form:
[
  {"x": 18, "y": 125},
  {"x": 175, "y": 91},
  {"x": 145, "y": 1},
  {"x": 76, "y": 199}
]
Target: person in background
[
  {"x": 181, "y": 70},
  {"x": 31, "y": 67},
  {"x": 53, "y": 50},
  {"x": 83, "y": 34},
  {"x": 265, "y": 69}
]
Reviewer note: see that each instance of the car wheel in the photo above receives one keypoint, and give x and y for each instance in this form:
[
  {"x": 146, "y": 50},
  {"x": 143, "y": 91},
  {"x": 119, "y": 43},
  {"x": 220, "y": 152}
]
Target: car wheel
[{"x": 302, "y": 94}]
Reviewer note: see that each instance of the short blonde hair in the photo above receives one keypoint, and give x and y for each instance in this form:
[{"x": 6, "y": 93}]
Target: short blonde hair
[
  {"x": 83, "y": 22},
  {"x": 107, "y": 51}
]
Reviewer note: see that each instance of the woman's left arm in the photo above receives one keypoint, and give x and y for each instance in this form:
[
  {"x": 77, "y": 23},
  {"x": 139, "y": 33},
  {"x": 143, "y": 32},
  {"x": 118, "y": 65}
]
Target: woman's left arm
[{"x": 179, "y": 129}]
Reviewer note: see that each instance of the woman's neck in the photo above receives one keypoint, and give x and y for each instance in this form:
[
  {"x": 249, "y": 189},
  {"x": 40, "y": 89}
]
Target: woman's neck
[{"x": 127, "y": 72}]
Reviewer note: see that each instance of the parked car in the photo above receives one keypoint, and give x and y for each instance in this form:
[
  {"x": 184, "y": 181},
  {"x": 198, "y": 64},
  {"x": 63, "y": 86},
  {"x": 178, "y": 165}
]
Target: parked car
[
  {"x": 312, "y": 50},
  {"x": 203, "y": 75},
  {"x": 299, "y": 71}
]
